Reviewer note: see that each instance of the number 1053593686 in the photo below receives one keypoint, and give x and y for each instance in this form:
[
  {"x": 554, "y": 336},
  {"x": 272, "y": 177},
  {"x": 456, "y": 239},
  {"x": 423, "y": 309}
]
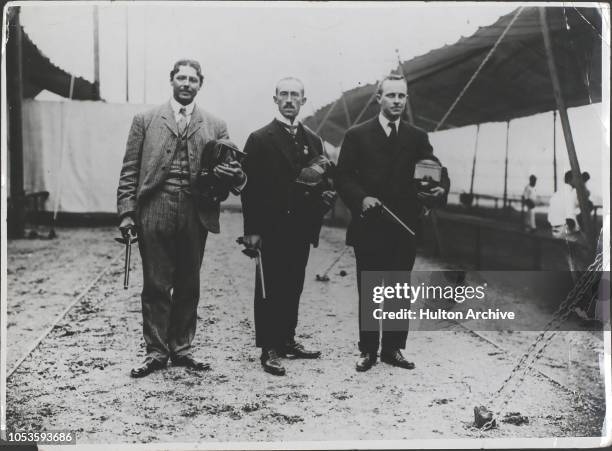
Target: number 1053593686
[{"x": 41, "y": 437}]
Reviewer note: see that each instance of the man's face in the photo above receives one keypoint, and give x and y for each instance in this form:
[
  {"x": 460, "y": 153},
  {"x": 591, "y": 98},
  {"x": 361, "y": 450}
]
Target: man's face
[
  {"x": 392, "y": 100},
  {"x": 185, "y": 85},
  {"x": 289, "y": 98}
]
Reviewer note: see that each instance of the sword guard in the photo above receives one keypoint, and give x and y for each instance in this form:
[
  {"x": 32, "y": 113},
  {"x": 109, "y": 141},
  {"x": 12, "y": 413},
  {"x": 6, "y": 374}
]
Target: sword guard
[
  {"x": 124, "y": 241},
  {"x": 252, "y": 253}
]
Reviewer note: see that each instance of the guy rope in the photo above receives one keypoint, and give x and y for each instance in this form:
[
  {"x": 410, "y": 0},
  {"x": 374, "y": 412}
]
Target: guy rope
[{"x": 485, "y": 418}]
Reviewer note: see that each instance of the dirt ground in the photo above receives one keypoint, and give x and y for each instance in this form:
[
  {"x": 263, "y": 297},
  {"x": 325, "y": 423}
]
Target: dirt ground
[{"x": 78, "y": 378}]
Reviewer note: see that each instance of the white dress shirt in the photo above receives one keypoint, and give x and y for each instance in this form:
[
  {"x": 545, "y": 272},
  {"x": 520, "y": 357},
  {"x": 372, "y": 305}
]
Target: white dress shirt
[
  {"x": 283, "y": 120},
  {"x": 563, "y": 205},
  {"x": 530, "y": 193},
  {"x": 176, "y": 107},
  {"x": 384, "y": 122}
]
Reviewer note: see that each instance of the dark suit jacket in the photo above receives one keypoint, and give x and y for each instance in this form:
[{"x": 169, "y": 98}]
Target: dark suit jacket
[
  {"x": 366, "y": 167},
  {"x": 271, "y": 172},
  {"x": 150, "y": 148}
]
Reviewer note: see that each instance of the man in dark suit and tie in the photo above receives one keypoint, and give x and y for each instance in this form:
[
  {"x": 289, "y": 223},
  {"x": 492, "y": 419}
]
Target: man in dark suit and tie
[
  {"x": 281, "y": 221},
  {"x": 376, "y": 165},
  {"x": 158, "y": 198}
]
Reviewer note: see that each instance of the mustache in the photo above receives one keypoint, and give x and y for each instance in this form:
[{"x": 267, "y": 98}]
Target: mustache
[{"x": 288, "y": 104}]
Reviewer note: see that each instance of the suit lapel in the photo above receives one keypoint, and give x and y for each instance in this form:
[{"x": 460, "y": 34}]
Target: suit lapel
[
  {"x": 312, "y": 141},
  {"x": 405, "y": 152},
  {"x": 379, "y": 136},
  {"x": 276, "y": 134},
  {"x": 168, "y": 117},
  {"x": 196, "y": 121},
  {"x": 404, "y": 137}
]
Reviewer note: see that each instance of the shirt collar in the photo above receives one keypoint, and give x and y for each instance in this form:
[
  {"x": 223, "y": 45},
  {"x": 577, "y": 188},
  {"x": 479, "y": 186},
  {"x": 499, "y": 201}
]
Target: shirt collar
[
  {"x": 385, "y": 123},
  {"x": 177, "y": 106},
  {"x": 283, "y": 120}
]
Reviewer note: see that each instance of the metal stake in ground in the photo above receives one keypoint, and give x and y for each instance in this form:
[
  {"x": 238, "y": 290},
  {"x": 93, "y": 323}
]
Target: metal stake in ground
[{"x": 484, "y": 418}]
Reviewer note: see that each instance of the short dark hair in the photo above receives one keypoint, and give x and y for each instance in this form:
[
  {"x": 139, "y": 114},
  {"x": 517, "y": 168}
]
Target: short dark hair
[
  {"x": 187, "y": 62},
  {"x": 567, "y": 178},
  {"x": 390, "y": 77},
  {"x": 532, "y": 177}
]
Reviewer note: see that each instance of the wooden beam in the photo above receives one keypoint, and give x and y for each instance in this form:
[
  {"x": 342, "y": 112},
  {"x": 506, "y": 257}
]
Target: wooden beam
[
  {"x": 506, "y": 164},
  {"x": 365, "y": 107},
  {"x": 144, "y": 54},
  {"x": 567, "y": 131},
  {"x": 555, "y": 150},
  {"x": 347, "y": 116},
  {"x": 96, "y": 45},
  {"x": 324, "y": 120},
  {"x": 474, "y": 159},
  {"x": 16, "y": 219},
  {"x": 127, "y": 56},
  {"x": 408, "y": 112}
]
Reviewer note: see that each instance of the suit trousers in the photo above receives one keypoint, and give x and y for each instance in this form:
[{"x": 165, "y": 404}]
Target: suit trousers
[
  {"x": 396, "y": 255},
  {"x": 171, "y": 242},
  {"x": 284, "y": 256}
]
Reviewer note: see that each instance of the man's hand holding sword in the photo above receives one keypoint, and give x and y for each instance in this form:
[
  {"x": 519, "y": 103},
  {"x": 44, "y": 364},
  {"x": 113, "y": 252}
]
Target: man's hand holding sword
[
  {"x": 252, "y": 244},
  {"x": 128, "y": 237}
]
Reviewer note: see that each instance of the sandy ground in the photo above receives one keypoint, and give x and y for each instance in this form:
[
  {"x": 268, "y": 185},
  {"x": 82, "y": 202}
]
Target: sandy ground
[{"x": 78, "y": 378}]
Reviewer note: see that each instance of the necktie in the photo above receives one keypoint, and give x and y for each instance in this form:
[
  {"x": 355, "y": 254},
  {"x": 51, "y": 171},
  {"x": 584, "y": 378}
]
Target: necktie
[
  {"x": 291, "y": 129},
  {"x": 393, "y": 134},
  {"x": 393, "y": 141},
  {"x": 182, "y": 123}
]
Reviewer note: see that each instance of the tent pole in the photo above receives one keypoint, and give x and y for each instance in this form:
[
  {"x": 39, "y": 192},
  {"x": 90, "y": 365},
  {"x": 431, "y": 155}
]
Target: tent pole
[
  {"x": 555, "y": 150},
  {"x": 322, "y": 123},
  {"x": 346, "y": 111},
  {"x": 144, "y": 58},
  {"x": 365, "y": 107},
  {"x": 361, "y": 113},
  {"x": 408, "y": 109},
  {"x": 16, "y": 220},
  {"x": 474, "y": 160},
  {"x": 567, "y": 131},
  {"x": 96, "y": 48},
  {"x": 506, "y": 164},
  {"x": 408, "y": 114},
  {"x": 127, "y": 57}
]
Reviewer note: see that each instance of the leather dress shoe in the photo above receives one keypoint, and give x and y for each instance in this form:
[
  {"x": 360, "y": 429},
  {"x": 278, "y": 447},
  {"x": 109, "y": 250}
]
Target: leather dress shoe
[
  {"x": 366, "y": 361},
  {"x": 298, "y": 351},
  {"x": 147, "y": 368},
  {"x": 189, "y": 362},
  {"x": 270, "y": 360},
  {"x": 396, "y": 358}
]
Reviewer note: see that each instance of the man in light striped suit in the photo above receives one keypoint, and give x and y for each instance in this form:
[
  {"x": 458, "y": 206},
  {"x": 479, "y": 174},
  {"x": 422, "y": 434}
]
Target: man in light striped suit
[{"x": 158, "y": 196}]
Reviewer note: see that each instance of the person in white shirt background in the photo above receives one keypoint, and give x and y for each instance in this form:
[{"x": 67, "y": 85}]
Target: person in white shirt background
[
  {"x": 529, "y": 199},
  {"x": 563, "y": 209}
]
